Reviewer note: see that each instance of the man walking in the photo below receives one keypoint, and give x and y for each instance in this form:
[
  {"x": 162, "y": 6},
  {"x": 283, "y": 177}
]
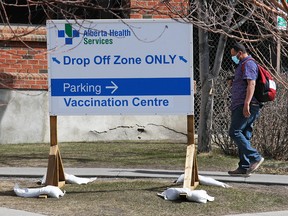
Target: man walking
[{"x": 245, "y": 110}]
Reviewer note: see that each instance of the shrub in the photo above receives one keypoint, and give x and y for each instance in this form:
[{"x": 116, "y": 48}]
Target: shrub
[{"x": 271, "y": 130}]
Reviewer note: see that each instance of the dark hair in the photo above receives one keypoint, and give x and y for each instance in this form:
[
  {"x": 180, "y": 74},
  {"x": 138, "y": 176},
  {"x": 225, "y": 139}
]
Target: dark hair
[{"x": 239, "y": 47}]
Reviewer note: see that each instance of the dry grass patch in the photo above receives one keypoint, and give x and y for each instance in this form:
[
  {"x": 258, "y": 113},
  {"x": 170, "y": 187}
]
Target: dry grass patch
[{"x": 139, "y": 197}]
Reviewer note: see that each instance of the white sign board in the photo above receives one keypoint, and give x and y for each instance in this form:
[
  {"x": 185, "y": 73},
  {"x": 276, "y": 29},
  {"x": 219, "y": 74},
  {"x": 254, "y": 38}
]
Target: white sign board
[{"x": 115, "y": 67}]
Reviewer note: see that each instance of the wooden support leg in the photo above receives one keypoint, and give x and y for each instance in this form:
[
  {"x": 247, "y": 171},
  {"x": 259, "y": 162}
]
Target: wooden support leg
[
  {"x": 55, "y": 172},
  {"x": 191, "y": 179}
]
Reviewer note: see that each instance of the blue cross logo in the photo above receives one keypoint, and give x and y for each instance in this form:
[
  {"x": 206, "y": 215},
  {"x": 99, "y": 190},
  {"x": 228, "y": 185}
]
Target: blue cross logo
[{"x": 68, "y": 34}]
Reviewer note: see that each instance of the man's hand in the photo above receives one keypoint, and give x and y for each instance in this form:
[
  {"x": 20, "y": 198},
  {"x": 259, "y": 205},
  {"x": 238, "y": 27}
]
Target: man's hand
[
  {"x": 249, "y": 95},
  {"x": 246, "y": 110}
]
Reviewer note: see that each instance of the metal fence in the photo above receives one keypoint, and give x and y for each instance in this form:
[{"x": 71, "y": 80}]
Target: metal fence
[
  {"x": 221, "y": 112},
  {"x": 221, "y": 90}
]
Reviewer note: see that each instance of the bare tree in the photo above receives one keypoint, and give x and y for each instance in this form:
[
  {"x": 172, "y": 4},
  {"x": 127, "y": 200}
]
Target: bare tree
[{"x": 227, "y": 18}]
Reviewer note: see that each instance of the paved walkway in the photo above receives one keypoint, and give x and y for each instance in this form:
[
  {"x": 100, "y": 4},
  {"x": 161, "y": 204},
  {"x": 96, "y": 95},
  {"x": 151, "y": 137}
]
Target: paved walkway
[{"x": 141, "y": 173}]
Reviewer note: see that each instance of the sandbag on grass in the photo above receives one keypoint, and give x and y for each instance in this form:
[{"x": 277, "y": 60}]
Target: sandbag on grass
[
  {"x": 204, "y": 180},
  {"x": 50, "y": 191},
  {"x": 72, "y": 179},
  {"x": 199, "y": 196}
]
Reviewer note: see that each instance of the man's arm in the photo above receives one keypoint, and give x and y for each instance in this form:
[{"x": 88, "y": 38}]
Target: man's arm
[{"x": 249, "y": 95}]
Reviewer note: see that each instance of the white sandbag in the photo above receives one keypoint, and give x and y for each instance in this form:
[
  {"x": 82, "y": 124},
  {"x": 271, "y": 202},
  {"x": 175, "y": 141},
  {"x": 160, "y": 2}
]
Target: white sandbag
[
  {"x": 211, "y": 182},
  {"x": 180, "y": 179},
  {"x": 26, "y": 192},
  {"x": 51, "y": 191},
  {"x": 173, "y": 194},
  {"x": 203, "y": 180},
  {"x": 43, "y": 180},
  {"x": 71, "y": 179},
  {"x": 199, "y": 196}
]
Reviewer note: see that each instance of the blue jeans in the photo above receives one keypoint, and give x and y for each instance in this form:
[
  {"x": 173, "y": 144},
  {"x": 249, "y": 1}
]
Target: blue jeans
[{"x": 241, "y": 133}]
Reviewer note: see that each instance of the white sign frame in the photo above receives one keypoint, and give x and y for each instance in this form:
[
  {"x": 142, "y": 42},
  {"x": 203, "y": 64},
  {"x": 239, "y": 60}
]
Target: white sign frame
[{"x": 120, "y": 67}]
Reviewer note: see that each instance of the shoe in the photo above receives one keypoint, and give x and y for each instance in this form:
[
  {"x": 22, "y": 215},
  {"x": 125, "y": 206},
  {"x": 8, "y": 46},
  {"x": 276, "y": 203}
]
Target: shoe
[
  {"x": 239, "y": 172},
  {"x": 254, "y": 166}
]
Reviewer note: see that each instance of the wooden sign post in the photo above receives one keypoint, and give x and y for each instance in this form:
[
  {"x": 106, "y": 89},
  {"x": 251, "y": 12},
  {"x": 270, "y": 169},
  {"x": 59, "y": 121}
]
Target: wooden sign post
[
  {"x": 191, "y": 179},
  {"x": 55, "y": 172}
]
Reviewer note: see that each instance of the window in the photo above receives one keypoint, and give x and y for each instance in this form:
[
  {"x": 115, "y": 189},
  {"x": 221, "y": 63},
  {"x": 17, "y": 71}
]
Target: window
[{"x": 21, "y": 12}]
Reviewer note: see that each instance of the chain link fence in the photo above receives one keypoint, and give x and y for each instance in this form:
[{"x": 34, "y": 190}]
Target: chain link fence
[{"x": 271, "y": 129}]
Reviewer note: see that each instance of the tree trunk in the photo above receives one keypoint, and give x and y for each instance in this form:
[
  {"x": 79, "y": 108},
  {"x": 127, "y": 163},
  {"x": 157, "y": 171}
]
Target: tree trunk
[
  {"x": 207, "y": 78},
  {"x": 206, "y": 108}
]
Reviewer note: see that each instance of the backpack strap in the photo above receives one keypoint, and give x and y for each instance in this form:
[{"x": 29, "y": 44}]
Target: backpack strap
[
  {"x": 242, "y": 68},
  {"x": 243, "y": 64}
]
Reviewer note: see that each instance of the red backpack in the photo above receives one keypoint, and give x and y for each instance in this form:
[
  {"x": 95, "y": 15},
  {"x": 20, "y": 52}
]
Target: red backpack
[{"x": 265, "y": 89}]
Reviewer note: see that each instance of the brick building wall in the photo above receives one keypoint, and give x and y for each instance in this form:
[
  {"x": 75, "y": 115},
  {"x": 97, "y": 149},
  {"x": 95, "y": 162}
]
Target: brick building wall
[
  {"x": 23, "y": 54},
  {"x": 23, "y": 61},
  {"x": 157, "y": 9}
]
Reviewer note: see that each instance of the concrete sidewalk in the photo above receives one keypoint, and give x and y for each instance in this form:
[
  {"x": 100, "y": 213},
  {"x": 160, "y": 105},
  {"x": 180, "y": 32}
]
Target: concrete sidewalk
[
  {"x": 13, "y": 212},
  {"x": 36, "y": 172}
]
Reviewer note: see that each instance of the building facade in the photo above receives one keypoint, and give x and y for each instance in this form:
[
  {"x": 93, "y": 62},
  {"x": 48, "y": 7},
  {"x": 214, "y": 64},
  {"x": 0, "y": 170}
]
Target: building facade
[{"x": 24, "y": 115}]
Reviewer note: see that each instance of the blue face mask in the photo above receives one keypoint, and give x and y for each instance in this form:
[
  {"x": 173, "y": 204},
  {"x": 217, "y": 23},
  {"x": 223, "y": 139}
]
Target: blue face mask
[{"x": 235, "y": 59}]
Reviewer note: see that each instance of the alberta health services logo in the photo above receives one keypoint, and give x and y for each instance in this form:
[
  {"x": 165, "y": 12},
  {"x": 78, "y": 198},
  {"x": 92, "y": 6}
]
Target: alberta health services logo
[{"x": 69, "y": 33}]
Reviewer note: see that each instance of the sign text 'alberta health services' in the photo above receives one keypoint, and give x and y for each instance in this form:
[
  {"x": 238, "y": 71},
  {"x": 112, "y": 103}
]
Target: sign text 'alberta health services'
[{"x": 153, "y": 77}]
